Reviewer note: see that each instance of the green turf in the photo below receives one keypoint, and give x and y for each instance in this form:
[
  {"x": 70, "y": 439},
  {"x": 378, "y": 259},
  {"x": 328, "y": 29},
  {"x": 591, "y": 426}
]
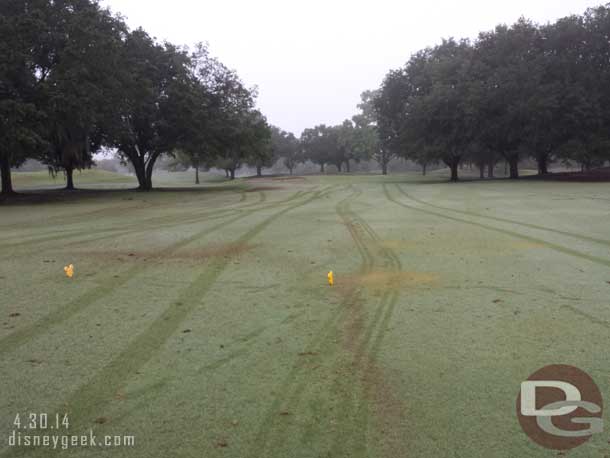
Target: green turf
[
  {"x": 200, "y": 321},
  {"x": 84, "y": 178}
]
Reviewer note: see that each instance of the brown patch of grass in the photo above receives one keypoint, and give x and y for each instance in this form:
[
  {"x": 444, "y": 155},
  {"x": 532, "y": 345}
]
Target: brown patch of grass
[
  {"x": 222, "y": 444},
  {"x": 226, "y": 250},
  {"x": 390, "y": 411},
  {"x": 308, "y": 353},
  {"x": 380, "y": 279}
]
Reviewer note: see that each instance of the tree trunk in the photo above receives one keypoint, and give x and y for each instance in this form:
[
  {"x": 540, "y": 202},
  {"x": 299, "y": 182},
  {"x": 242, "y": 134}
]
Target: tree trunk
[
  {"x": 149, "y": 171},
  {"x": 70, "y": 178},
  {"x": 543, "y": 167},
  {"x": 347, "y": 167},
  {"x": 454, "y": 170},
  {"x": 232, "y": 171},
  {"x": 322, "y": 168},
  {"x": 514, "y": 167},
  {"x": 290, "y": 169},
  {"x": 481, "y": 171},
  {"x": 339, "y": 167},
  {"x": 7, "y": 181},
  {"x": 138, "y": 166},
  {"x": 490, "y": 170},
  {"x": 423, "y": 169},
  {"x": 227, "y": 173},
  {"x": 505, "y": 168},
  {"x": 196, "y": 173},
  {"x": 384, "y": 168},
  {"x": 259, "y": 171}
]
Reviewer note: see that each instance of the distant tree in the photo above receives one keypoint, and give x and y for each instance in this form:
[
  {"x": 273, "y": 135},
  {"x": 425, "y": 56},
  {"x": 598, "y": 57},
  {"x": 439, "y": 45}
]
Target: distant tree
[
  {"x": 285, "y": 146},
  {"x": 184, "y": 161},
  {"x": 79, "y": 64},
  {"x": 316, "y": 145},
  {"x": 367, "y": 138},
  {"x": 196, "y": 117},
  {"x": 510, "y": 69},
  {"x": 347, "y": 144},
  {"x": 390, "y": 113},
  {"x": 21, "y": 73},
  {"x": 440, "y": 118},
  {"x": 154, "y": 79},
  {"x": 247, "y": 133},
  {"x": 262, "y": 153}
]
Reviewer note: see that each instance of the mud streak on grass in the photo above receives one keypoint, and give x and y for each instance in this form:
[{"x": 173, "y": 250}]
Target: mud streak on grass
[
  {"x": 107, "y": 286},
  {"x": 345, "y": 348},
  {"x": 89, "y": 400}
]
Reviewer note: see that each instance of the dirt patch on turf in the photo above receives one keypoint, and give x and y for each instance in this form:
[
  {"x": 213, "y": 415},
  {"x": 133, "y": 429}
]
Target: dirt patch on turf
[
  {"x": 225, "y": 250},
  {"x": 390, "y": 411},
  {"x": 380, "y": 280},
  {"x": 367, "y": 380}
]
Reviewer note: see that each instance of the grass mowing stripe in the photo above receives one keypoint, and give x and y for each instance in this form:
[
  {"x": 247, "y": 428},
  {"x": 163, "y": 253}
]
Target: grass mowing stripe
[
  {"x": 552, "y": 246},
  {"x": 93, "y": 396},
  {"x": 23, "y": 334},
  {"x": 353, "y": 412},
  {"x": 63, "y": 218},
  {"x": 178, "y": 219},
  {"x": 357, "y": 408},
  {"x": 295, "y": 382},
  {"x": 137, "y": 227},
  {"x": 510, "y": 221},
  {"x": 586, "y": 315}
]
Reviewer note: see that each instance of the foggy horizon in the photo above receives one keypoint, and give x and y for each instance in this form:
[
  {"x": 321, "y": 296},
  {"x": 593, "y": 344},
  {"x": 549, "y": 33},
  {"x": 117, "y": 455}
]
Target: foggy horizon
[{"x": 311, "y": 62}]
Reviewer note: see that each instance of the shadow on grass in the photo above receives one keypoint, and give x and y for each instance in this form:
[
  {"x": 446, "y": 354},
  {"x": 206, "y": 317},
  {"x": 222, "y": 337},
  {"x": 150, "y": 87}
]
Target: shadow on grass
[{"x": 47, "y": 196}]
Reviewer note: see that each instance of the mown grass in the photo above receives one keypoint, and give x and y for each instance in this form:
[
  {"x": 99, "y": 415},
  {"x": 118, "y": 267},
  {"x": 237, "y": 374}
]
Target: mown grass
[{"x": 200, "y": 320}]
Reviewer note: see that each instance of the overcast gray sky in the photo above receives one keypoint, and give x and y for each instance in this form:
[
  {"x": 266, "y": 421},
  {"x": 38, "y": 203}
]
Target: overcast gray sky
[{"x": 311, "y": 59}]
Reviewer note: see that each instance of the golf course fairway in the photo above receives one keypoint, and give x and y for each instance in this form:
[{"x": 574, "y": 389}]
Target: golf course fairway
[{"x": 200, "y": 320}]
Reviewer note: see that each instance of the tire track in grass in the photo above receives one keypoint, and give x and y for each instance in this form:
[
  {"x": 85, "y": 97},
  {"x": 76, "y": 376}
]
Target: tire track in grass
[
  {"x": 362, "y": 370},
  {"x": 550, "y": 245},
  {"x": 215, "y": 214},
  {"x": 507, "y": 220},
  {"x": 107, "y": 286},
  {"x": 143, "y": 226},
  {"x": 172, "y": 220},
  {"x": 70, "y": 216},
  {"x": 353, "y": 409},
  {"x": 90, "y": 399},
  {"x": 70, "y": 219},
  {"x": 272, "y": 428}
]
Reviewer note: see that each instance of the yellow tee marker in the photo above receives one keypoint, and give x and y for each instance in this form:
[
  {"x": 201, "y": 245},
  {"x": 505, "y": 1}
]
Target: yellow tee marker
[
  {"x": 331, "y": 280},
  {"x": 69, "y": 270}
]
